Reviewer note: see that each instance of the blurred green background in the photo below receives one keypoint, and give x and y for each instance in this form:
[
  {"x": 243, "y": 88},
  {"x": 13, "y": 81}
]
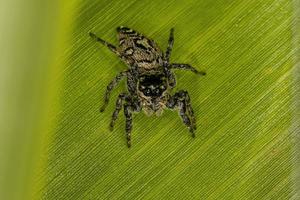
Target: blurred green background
[{"x": 56, "y": 145}]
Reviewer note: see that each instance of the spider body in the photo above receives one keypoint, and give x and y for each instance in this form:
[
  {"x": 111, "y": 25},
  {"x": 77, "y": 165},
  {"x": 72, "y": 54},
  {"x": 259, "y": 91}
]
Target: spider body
[
  {"x": 153, "y": 93},
  {"x": 138, "y": 50},
  {"x": 150, "y": 80}
]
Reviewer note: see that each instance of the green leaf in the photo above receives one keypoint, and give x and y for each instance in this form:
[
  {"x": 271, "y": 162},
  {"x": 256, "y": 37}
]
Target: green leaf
[{"x": 244, "y": 147}]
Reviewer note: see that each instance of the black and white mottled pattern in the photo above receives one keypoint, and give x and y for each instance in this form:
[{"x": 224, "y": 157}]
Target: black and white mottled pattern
[
  {"x": 135, "y": 48},
  {"x": 150, "y": 80}
]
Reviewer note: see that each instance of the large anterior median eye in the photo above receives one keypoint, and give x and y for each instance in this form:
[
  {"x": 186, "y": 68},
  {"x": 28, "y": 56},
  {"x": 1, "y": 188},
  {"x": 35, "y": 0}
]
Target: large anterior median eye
[
  {"x": 157, "y": 91},
  {"x": 147, "y": 91}
]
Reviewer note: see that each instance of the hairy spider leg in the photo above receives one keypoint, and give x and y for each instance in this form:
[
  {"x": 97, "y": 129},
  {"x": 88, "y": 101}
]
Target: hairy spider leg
[
  {"x": 171, "y": 78},
  {"x": 132, "y": 82},
  {"x": 119, "y": 103},
  {"x": 170, "y": 75},
  {"x": 181, "y": 100},
  {"x": 110, "y": 87},
  {"x": 189, "y": 109},
  {"x": 186, "y": 67},
  {"x": 185, "y": 118},
  {"x": 170, "y": 45},
  {"x": 107, "y": 44},
  {"x": 128, "y": 124}
]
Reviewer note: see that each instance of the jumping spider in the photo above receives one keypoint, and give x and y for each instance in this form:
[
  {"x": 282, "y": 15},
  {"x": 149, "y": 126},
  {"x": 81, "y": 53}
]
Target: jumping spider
[{"x": 149, "y": 79}]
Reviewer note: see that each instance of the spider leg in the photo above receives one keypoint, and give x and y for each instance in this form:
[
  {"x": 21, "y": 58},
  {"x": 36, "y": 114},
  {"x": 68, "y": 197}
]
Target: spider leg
[
  {"x": 181, "y": 100},
  {"x": 171, "y": 79},
  {"x": 170, "y": 45},
  {"x": 128, "y": 125},
  {"x": 119, "y": 104},
  {"x": 185, "y": 118},
  {"x": 107, "y": 44},
  {"x": 186, "y": 67},
  {"x": 190, "y": 110},
  {"x": 110, "y": 87},
  {"x": 131, "y": 83}
]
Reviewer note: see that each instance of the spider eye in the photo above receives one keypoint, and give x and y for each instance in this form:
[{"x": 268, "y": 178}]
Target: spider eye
[
  {"x": 142, "y": 78},
  {"x": 162, "y": 87},
  {"x": 147, "y": 91}
]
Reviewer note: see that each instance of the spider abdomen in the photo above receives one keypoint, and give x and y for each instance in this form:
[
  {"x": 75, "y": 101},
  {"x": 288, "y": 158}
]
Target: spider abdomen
[{"x": 139, "y": 50}]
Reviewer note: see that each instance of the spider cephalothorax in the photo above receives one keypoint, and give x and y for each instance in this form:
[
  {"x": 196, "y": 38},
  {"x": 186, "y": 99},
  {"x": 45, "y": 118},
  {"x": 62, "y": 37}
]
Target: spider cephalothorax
[
  {"x": 149, "y": 79},
  {"x": 153, "y": 93}
]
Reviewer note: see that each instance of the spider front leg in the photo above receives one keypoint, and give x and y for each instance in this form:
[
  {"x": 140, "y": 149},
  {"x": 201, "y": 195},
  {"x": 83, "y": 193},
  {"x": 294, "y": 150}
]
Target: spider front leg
[
  {"x": 128, "y": 125},
  {"x": 119, "y": 103},
  {"x": 129, "y": 105},
  {"x": 110, "y": 87},
  {"x": 181, "y": 100}
]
